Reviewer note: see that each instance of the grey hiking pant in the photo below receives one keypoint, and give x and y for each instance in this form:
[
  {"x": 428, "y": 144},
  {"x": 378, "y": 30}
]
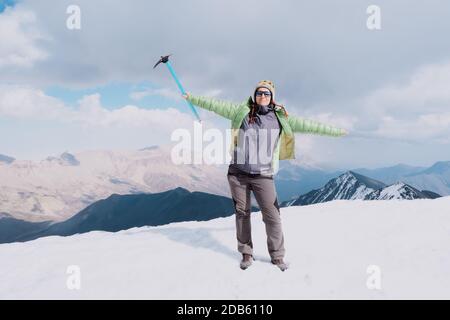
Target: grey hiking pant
[{"x": 263, "y": 188}]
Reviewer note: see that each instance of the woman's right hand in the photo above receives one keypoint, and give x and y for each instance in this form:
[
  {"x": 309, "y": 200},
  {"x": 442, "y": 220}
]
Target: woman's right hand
[{"x": 186, "y": 95}]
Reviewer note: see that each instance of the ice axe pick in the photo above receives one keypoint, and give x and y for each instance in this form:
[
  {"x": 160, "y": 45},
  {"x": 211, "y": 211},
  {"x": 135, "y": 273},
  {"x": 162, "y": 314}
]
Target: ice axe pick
[{"x": 165, "y": 60}]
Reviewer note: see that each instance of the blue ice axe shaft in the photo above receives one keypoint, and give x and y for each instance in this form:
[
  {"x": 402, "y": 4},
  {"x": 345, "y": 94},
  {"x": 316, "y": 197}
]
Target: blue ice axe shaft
[{"x": 165, "y": 60}]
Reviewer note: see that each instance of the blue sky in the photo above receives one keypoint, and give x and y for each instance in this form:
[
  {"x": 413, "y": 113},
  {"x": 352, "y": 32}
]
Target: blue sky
[
  {"x": 6, "y": 3},
  {"x": 113, "y": 95},
  {"x": 95, "y": 88}
]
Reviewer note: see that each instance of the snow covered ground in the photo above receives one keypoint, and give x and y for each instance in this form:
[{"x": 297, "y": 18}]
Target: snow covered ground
[{"x": 334, "y": 249}]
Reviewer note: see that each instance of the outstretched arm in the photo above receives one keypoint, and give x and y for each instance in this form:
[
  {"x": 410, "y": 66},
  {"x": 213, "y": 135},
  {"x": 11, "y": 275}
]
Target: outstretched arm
[
  {"x": 223, "y": 108},
  {"x": 299, "y": 124}
]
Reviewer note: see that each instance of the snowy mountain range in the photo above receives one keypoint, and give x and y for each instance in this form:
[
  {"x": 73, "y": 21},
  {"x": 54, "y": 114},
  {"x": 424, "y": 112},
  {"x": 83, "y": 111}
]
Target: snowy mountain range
[
  {"x": 400, "y": 190},
  {"x": 6, "y": 159},
  {"x": 295, "y": 179},
  {"x": 390, "y": 174},
  {"x": 335, "y": 250},
  {"x": 59, "y": 187},
  {"x": 435, "y": 178},
  {"x": 121, "y": 212},
  {"x": 351, "y": 185}
]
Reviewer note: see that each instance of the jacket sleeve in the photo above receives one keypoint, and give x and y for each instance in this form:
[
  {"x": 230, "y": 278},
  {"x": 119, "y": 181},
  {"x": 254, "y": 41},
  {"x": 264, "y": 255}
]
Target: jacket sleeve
[
  {"x": 223, "y": 108},
  {"x": 299, "y": 124}
]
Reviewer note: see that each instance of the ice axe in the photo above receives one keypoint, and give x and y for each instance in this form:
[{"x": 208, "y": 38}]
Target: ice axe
[{"x": 165, "y": 60}]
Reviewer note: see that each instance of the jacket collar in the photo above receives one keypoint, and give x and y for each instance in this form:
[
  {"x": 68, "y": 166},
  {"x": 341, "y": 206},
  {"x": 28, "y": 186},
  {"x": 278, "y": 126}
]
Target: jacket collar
[{"x": 250, "y": 102}]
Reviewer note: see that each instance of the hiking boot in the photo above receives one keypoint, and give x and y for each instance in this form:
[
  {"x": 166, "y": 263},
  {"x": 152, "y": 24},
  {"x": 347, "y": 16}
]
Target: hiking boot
[
  {"x": 247, "y": 260},
  {"x": 280, "y": 264}
]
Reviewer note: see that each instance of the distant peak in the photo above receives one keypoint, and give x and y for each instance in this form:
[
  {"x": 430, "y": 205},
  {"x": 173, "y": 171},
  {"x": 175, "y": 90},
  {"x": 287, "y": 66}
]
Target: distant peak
[
  {"x": 4, "y": 215},
  {"x": 402, "y": 185},
  {"x": 350, "y": 174},
  {"x": 6, "y": 159},
  {"x": 65, "y": 159},
  {"x": 368, "y": 182},
  {"x": 181, "y": 189},
  {"x": 357, "y": 175},
  {"x": 402, "y": 165},
  {"x": 438, "y": 167},
  {"x": 442, "y": 163},
  {"x": 154, "y": 147},
  {"x": 441, "y": 166}
]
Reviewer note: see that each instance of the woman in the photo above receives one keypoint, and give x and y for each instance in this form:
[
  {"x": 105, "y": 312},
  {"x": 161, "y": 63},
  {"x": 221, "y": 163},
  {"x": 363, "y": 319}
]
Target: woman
[{"x": 260, "y": 125}]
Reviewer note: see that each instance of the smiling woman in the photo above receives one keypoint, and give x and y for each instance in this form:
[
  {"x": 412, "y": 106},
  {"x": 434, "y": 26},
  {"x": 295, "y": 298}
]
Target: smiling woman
[{"x": 270, "y": 129}]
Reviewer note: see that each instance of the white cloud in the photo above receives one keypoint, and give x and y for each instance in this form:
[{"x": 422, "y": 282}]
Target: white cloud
[
  {"x": 432, "y": 127},
  {"x": 427, "y": 90},
  {"x": 337, "y": 120},
  {"x": 37, "y": 125},
  {"x": 348, "y": 60},
  {"x": 416, "y": 110},
  {"x": 92, "y": 113},
  {"x": 25, "y": 102},
  {"x": 19, "y": 35},
  {"x": 164, "y": 92},
  {"x": 168, "y": 93}
]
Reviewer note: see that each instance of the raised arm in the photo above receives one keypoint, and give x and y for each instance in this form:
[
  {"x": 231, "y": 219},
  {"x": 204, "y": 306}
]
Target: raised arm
[
  {"x": 299, "y": 124},
  {"x": 223, "y": 108}
]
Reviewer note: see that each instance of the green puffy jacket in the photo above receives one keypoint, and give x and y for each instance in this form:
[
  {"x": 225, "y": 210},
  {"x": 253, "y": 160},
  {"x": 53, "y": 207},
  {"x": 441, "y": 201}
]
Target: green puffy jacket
[{"x": 285, "y": 148}]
